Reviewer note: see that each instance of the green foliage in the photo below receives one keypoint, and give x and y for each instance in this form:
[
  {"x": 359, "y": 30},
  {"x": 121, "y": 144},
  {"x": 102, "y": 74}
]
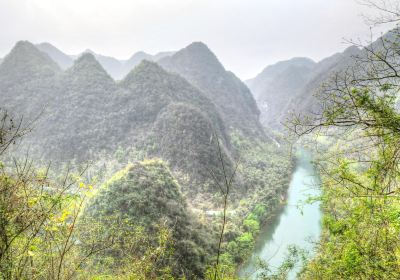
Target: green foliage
[
  {"x": 251, "y": 225},
  {"x": 39, "y": 237},
  {"x": 151, "y": 113},
  {"x": 146, "y": 194},
  {"x": 264, "y": 170},
  {"x": 233, "y": 99},
  {"x": 186, "y": 137},
  {"x": 360, "y": 174}
]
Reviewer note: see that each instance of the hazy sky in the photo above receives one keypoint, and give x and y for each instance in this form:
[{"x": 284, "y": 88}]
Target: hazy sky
[{"x": 246, "y": 35}]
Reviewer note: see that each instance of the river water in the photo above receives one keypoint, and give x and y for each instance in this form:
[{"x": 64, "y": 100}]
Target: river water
[{"x": 298, "y": 223}]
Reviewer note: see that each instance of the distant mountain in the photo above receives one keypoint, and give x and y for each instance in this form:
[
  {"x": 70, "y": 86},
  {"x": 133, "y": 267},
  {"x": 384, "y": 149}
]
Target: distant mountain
[
  {"x": 200, "y": 67},
  {"x": 305, "y": 100},
  {"x": 27, "y": 63},
  {"x": 112, "y": 65},
  {"x": 85, "y": 111},
  {"x": 290, "y": 86},
  {"x": 63, "y": 60},
  {"x": 118, "y": 69},
  {"x": 276, "y": 85},
  {"x": 175, "y": 112},
  {"x": 27, "y": 80}
]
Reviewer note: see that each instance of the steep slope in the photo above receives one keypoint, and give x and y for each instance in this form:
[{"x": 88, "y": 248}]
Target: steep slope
[
  {"x": 135, "y": 60},
  {"x": 77, "y": 119},
  {"x": 26, "y": 63},
  {"x": 185, "y": 137},
  {"x": 63, "y": 60},
  {"x": 289, "y": 87},
  {"x": 172, "y": 106},
  {"x": 27, "y": 80},
  {"x": 88, "y": 115},
  {"x": 305, "y": 100},
  {"x": 147, "y": 194},
  {"x": 276, "y": 85},
  {"x": 200, "y": 66},
  {"x": 156, "y": 88}
]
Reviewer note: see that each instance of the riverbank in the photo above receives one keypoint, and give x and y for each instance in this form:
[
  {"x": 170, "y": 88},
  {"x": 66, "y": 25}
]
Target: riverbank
[{"x": 296, "y": 224}]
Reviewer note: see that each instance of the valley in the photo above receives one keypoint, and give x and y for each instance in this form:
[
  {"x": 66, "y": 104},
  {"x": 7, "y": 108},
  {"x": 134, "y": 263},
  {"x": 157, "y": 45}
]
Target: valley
[{"x": 169, "y": 166}]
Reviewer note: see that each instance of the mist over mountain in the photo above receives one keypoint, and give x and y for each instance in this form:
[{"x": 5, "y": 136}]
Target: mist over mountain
[
  {"x": 118, "y": 69},
  {"x": 276, "y": 85},
  {"x": 145, "y": 165},
  {"x": 175, "y": 120},
  {"x": 187, "y": 111},
  {"x": 289, "y": 87},
  {"x": 63, "y": 60},
  {"x": 85, "y": 99},
  {"x": 200, "y": 66}
]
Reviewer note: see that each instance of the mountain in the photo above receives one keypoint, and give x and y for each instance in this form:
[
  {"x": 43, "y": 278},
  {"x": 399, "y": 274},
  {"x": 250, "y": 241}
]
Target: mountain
[
  {"x": 290, "y": 86},
  {"x": 136, "y": 59},
  {"x": 112, "y": 65},
  {"x": 87, "y": 112},
  {"x": 161, "y": 55},
  {"x": 25, "y": 63},
  {"x": 85, "y": 115},
  {"x": 162, "y": 100},
  {"x": 274, "y": 87},
  {"x": 305, "y": 100},
  {"x": 27, "y": 80},
  {"x": 201, "y": 67},
  {"x": 146, "y": 194},
  {"x": 117, "y": 69},
  {"x": 63, "y": 60},
  {"x": 189, "y": 119},
  {"x": 77, "y": 115}
]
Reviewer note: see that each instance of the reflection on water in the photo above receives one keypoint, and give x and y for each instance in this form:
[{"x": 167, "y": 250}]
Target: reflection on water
[{"x": 297, "y": 224}]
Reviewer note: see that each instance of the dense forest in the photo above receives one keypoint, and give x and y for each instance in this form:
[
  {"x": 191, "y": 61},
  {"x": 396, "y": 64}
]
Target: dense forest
[
  {"x": 168, "y": 166},
  {"x": 141, "y": 162}
]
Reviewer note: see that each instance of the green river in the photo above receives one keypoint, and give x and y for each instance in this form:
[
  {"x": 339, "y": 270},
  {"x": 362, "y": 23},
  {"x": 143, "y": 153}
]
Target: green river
[{"x": 298, "y": 223}]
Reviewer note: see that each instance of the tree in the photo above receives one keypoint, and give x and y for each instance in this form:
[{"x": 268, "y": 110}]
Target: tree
[
  {"x": 360, "y": 169},
  {"x": 43, "y": 234}
]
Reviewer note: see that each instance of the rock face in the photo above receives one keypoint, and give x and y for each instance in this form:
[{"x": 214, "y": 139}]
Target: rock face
[{"x": 233, "y": 99}]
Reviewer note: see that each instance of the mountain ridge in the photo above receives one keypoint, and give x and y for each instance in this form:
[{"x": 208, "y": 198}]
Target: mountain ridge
[
  {"x": 288, "y": 87},
  {"x": 117, "y": 68},
  {"x": 201, "y": 67}
]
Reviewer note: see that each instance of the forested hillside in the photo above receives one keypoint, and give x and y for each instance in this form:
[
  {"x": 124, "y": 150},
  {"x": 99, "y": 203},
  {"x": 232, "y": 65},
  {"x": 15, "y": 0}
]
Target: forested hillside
[
  {"x": 356, "y": 136},
  {"x": 200, "y": 66},
  {"x": 154, "y": 138},
  {"x": 169, "y": 166}
]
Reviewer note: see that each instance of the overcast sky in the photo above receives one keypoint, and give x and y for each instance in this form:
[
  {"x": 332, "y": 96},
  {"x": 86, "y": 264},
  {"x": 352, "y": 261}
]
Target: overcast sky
[{"x": 246, "y": 35}]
